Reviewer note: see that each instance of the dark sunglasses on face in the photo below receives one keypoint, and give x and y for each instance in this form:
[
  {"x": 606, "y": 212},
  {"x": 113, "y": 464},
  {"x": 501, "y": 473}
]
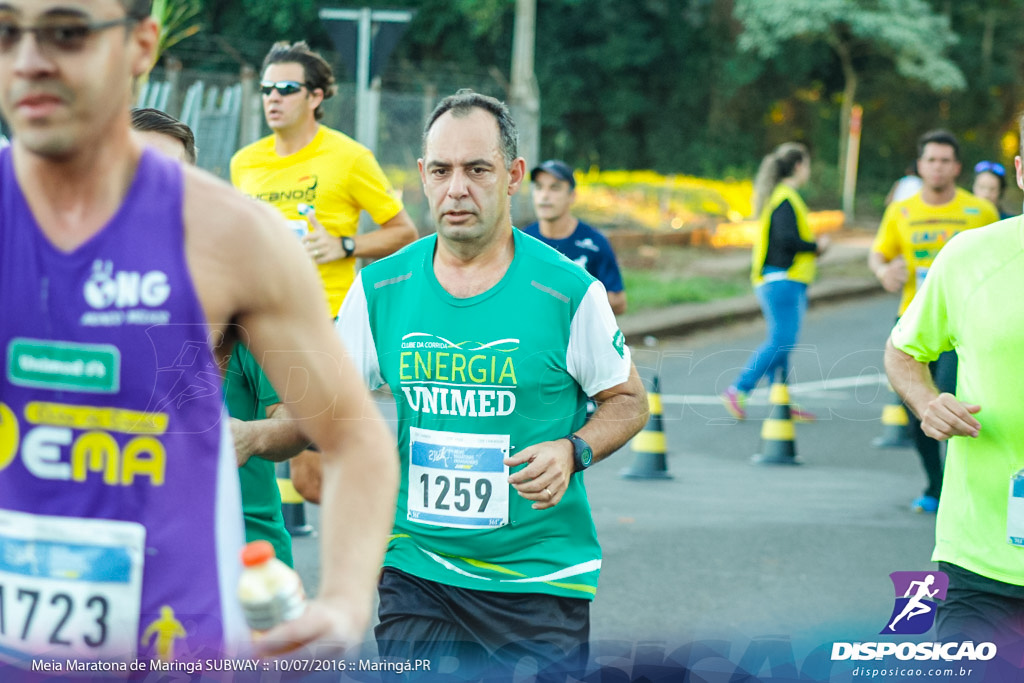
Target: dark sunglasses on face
[
  {"x": 65, "y": 36},
  {"x": 991, "y": 167},
  {"x": 285, "y": 88}
]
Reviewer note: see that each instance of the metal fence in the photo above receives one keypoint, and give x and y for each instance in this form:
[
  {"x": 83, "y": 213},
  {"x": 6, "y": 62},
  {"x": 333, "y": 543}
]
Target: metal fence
[
  {"x": 225, "y": 112},
  {"x": 210, "y": 104}
]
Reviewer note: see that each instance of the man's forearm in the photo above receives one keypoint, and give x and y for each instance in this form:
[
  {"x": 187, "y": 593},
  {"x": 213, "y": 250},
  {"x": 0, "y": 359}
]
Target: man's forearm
[
  {"x": 277, "y": 437},
  {"x": 360, "y": 483},
  {"x": 392, "y": 236},
  {"x": 875, "y": 262},
  {"x": 910, "y": 378},
  {"x": 619, "y": 416}
]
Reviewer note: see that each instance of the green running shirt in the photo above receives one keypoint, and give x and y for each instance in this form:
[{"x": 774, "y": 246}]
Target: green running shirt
[{"x": 247, "y": 393}]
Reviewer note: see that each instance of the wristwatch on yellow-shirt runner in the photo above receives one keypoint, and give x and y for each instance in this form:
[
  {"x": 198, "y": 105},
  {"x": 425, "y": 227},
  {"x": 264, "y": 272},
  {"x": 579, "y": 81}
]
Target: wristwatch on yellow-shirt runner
[{"x": 348, "y": 245}]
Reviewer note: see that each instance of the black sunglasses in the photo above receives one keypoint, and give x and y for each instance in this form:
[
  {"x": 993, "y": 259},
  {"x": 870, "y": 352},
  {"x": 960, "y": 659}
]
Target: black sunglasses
[
  {"x": 284, "y": 87},
  {"x": 991, "y": 167},
  {"x": 64, "y": 36}
]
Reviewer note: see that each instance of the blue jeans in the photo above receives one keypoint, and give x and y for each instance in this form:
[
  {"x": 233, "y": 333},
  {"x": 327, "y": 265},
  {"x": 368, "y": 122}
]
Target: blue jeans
[{"x": 783, "y": 303}]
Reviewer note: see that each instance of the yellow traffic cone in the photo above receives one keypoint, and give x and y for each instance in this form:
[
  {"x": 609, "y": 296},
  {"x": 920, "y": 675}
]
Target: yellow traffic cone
[
  {"x": 895, "y": 429},
  {"x": 778, "y": 436},
  {"x": 649, "y": 444},
  {"x": 293, "y": 505}
]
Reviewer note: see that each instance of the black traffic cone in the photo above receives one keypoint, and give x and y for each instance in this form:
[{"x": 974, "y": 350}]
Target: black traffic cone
[
  {"x": 293, "y": 505},
  {"x": 895, "y": 426},
  {"x": 778, "y": 436},
  {"x": 649, "y": 444}
]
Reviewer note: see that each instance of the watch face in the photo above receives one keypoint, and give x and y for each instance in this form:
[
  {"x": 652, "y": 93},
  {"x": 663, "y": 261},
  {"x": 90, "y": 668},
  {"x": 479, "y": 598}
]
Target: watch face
[{"x": 583, "y": 453}]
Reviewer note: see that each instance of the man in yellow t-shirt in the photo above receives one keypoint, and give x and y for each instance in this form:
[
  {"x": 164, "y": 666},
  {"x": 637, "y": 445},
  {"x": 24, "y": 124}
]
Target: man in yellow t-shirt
[
  {"x": 304, "y": 162},
  {"x": 912, "y": 233}
]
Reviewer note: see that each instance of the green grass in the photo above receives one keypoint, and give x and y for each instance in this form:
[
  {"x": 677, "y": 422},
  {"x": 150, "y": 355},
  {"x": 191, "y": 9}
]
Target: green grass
[{"x": 651, "y": 289}]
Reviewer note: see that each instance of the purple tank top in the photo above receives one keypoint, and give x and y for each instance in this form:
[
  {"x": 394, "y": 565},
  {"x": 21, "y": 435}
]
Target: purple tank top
[{"x": 119, "y": 513}]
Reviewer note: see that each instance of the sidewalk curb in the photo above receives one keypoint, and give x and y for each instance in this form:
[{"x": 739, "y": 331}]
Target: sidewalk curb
[{"x": 687, "y": 318}]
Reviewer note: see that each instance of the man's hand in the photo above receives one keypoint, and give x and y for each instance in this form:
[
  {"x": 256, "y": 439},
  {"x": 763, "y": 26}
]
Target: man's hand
[
  {"x": 322, "y": 246},
  {"x": 946, "y": 417},
  {"x": 892, "y": 275},
  {"x": 245, "y": 441},
  {"x": 322, "y": 630},
  {"x": 546, "y": 478},
  {"x": 307, "y": 475},
  {"x": 823, "y": 242}
]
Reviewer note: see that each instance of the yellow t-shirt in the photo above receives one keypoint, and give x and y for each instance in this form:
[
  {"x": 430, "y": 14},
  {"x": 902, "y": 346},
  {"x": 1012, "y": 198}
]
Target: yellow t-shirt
[
  {"x": 917, "y": 231},
  {"x": 333, "y": 173}
]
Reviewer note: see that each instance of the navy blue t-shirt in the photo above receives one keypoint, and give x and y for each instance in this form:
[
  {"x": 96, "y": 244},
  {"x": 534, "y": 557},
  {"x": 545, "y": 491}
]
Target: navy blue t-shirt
[{"x": 590, "y": 249}]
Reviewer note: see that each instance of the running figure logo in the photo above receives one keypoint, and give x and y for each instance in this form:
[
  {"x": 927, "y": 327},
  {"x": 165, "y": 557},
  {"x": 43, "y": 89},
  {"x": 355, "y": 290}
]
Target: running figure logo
[
  {"x": 163, "y": 632},
  {"x": 916, "y": 596}
]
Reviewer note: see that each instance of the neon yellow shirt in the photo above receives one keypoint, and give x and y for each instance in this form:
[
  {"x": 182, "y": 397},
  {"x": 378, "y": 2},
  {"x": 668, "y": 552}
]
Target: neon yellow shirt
[
  {"x": 917, "y": 231},
  {"x": 971, "y": 302},
  {"x": 333, "y": 173}
]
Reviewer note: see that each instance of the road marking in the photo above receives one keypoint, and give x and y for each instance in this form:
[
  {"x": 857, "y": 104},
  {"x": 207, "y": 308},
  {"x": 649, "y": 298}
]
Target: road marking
[{"x": 827, "y": 389}]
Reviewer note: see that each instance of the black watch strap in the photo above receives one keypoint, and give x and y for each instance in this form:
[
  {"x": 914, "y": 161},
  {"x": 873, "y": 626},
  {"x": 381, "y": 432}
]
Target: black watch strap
[
  {"x": 348, "y": 245},
  {"x": 582, "y": 454}
]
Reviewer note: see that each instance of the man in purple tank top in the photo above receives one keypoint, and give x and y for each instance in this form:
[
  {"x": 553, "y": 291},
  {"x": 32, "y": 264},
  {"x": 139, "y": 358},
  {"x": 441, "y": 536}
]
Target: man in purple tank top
[{"x": 124, "y": 280}]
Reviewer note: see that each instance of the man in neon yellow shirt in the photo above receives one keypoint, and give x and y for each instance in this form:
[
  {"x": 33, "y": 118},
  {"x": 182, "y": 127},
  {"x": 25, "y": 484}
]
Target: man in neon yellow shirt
[
  {"x": 970, "y": 303},
  {"x": 912, "y": 233},
  {"x": 304, "y": 162}
]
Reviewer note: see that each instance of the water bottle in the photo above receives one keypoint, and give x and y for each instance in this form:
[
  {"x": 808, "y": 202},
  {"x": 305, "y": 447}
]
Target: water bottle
[{"x": 270, "y": 591}]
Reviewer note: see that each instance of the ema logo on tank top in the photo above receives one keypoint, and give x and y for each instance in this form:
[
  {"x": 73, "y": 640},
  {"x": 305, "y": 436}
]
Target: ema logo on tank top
[{"x": 124, "y": 296}]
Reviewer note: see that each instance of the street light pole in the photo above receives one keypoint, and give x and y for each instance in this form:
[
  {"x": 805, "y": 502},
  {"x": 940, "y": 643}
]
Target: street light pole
[{"x": 524, "y": 99}]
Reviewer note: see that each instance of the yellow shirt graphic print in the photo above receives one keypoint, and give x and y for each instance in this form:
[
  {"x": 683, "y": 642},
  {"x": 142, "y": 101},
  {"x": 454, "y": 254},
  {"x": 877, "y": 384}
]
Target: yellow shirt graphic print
[
  {"x": 917, "y": 231},
  {"x": 334, "y": 174}
]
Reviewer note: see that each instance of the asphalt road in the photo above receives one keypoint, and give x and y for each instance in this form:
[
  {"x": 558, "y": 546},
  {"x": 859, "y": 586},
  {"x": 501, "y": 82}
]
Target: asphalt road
[{"x": 751, "y": 553}]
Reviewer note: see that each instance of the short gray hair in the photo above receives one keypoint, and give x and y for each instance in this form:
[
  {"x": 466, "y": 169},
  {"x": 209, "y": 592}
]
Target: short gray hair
[{"x": 463, "y": 103}]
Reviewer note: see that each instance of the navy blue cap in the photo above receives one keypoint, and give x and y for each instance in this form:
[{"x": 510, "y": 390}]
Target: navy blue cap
[{"x": 559, "y": 169}]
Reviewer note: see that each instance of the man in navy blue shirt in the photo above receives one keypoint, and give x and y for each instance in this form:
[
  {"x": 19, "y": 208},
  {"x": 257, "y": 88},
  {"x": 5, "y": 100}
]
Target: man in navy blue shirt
[{"x": 554, "y": 191}]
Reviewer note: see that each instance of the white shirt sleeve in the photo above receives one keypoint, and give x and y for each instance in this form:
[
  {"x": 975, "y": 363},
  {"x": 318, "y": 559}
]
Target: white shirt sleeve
[
  {"x": 597, "y": 356},
  {"x": 353, "y": 326}
]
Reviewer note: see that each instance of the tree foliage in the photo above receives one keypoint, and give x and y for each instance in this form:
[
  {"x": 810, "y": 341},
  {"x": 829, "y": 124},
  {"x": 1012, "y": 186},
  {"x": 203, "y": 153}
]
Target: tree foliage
[
  {"x": 178, "y": 21},
  {"x": 700, "y": 86},
  {"x": 907, "y": 32}
]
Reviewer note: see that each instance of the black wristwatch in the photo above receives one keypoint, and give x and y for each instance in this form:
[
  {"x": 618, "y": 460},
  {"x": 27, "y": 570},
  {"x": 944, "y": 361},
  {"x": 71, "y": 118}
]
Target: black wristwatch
[
  {"x": 349, "y": 245},
  {"x": 582, "y": 456}
]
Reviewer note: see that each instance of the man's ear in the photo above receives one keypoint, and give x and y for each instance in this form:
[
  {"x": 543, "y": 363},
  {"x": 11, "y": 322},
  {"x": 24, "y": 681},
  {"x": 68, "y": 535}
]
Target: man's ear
[
  {"x": 146, "y": 40},
  {"x": 516, "y": 175}
]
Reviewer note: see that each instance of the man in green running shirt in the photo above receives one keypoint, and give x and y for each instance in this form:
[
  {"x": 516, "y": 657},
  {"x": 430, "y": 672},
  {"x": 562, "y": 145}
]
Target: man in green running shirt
[{"x": 491, "y": 343}]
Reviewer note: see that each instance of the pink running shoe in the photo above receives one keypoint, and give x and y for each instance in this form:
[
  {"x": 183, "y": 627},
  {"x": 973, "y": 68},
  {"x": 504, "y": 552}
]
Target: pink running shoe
[{"x": 734, "y": 401}]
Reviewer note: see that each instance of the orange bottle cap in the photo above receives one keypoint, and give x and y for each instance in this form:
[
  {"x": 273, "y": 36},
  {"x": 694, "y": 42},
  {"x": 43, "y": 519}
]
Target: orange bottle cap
[{"x": 257, "y": 552}]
